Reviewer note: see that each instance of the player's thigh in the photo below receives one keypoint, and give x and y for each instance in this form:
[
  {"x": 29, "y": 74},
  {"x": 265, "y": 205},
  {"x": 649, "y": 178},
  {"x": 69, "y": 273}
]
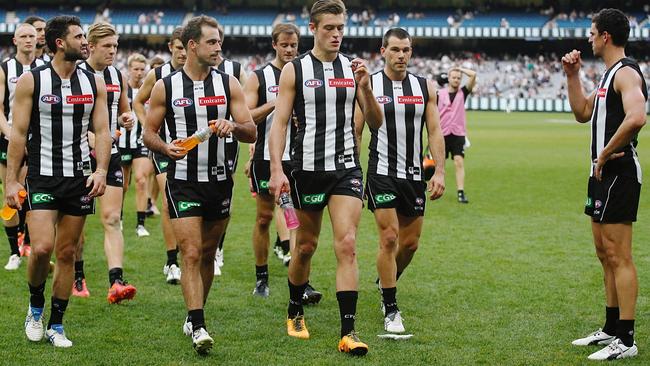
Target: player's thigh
[{"x": 345, "y": 212}]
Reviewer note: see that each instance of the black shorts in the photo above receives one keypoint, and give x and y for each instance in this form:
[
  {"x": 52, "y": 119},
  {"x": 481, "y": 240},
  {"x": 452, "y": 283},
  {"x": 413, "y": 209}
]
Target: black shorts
[
  {"x": 4, "y": 145},
  {"x": 614, "y": 199},
  {"x": 454, "y": 145},
  {"x": 408, "y": 197},
  {"x": 160, "y": 163},
  {"x": 232, "y": 154},
  {"x": 127, "y": 155},
  {"x": 210, "y": 200},
  {"x": 311, "y": 190},
  {"x": 114, "y": 176},
  {"x": 66, "y": 195},
  {"x": 261, "y": 174}
]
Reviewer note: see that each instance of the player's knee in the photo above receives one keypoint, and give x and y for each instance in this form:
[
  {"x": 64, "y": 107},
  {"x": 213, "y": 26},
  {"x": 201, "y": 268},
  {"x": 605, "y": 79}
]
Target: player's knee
[
  {"x": 141, "y": 182},
  {"x": 389, "y": 238},
  {"x": 263, "y": 219},
  {"x": 306, "y": 248},
  {"x": 65, "y": 254},
  {"x": 346, "y": 247},
  {"x": 111, "y": 219},
  {"x": 42, "y": 250},
  {"x": 191, "y": 255},
  {"x": 411, "y": 244}
]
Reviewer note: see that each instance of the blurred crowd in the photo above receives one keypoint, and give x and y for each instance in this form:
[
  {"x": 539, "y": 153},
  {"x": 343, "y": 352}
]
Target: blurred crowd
[{"x": 509, "y": 76}]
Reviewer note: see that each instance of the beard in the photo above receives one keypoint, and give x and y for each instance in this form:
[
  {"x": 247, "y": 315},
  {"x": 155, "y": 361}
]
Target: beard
[
  {"x": 40, "y": 46},
  {"x": 73, "y": 55}
]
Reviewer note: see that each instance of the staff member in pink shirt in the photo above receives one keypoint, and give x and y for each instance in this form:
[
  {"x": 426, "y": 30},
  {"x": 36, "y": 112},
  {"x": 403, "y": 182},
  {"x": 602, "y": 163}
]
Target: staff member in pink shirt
[{"x": 451, "y": 104}]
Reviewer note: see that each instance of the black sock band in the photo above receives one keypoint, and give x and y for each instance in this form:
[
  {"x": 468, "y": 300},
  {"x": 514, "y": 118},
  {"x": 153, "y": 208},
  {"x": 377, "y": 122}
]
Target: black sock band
[
  {"x": 277, "y": 239},
  {"x": 197, "y": 318},
  {"x": 348, "y": 309},
  {"x": 389, "y": 298},
  {"x": 26, "y": 239},
  {"x": 58, "y": 309},
  {"x": 262, "y": 272},
  {"x": 114, "y": 274},
  {"x": 295, "y": 299},
  {"x": 36, "y": 297},
  {"x": 141, "y": 216},
  {"x": 625, "y": 332},
  {"x": 172, "y": 257},
  {"x": 611, "y": 318},
  {"x": 223, "y": 237},
  {"x": 79, "y": 269},
  {"x": 284, "y": 244},
  {"x": 12, "y": 237}
]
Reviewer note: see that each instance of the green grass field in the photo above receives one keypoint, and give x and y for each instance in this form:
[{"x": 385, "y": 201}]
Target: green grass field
[{"x": 509, "y": 279}]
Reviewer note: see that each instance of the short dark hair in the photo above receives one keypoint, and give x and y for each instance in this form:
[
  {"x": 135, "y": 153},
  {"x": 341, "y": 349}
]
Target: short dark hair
[
  {"x": 192, "y": 29},
  {"x": 176, "y": 34},
  {"x": 614, "y": 22},
  {"x": 321, "y": 7},
  {"x": 58, "y": 27},
  {"x": 33, "y": 19},
  {"x": 398, "y": 33}
]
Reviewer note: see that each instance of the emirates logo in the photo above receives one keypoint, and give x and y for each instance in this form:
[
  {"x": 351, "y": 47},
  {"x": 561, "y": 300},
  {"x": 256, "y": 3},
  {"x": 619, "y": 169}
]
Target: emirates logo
[
  {"x": 80, "y": 99},
  {"x": 113, "y": 88},
  {"x": 407, "y": 99},
  {"x": 340, "y": 83},
  {"x": 212, "y": 101}
]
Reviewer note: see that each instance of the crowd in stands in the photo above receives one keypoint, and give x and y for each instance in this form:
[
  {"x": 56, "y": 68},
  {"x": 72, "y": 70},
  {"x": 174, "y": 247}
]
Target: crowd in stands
[{"x": 510, "y": 77}]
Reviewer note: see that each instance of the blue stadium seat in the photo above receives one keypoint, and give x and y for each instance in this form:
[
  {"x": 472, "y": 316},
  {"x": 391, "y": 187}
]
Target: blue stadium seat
[
  {"x": 515, "y": 19},
  {"x": 245, "y": 17},
  {"x": 130, "y": 16},
  {"x": 577, "y": 23},
  {"x": 85, "y": 15}
]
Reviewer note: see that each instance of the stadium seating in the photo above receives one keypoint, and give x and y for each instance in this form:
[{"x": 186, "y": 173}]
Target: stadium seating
[
  {"x": 245, "y": 17},
  {"x": 576, "y": 23},
  {"x": 515, "y": 19},
  {"x": 131, "y": 16},
  {"x": 86, "y": 16}
]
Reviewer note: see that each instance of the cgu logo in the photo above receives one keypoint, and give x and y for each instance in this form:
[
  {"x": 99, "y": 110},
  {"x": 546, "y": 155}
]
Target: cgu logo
[
  {"x": 408, "y": 99},
  {"x": 79, "y": 99},
  {"x": 42, "y": 197},
  {"x": 383, "y": 198},
  {"x": 112, "y": 88},
  {"x": 383, "y": 99},
  {"x": 50, "y": 99},
  {"x": 341, "y": 83},
  {"x": 264, "y": 184},
  {"x": 312, "y": 199},
  {"x": 183, "y": 102},
  {"x": 185, "y": 205},
  {"x": 212, "y": 101},
  {"x": 314, "y": 83},
  {"x": 274, "y": 89}
]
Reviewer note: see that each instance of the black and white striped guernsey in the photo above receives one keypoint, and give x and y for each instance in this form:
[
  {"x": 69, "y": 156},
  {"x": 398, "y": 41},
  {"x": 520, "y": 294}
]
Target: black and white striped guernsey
[
  {"x": 113, "y": 80},
  {"x": 45, "y": 57},
  {"x": 396, "y": 146},
  {"x": 190, "y": 105},
  {"x": 232, "y": 68},
  {"x": 607, "y": 116},
  {"x": 60, "y": 119},
  {"x": 324, "y": 107},
  {"x": 12, "y": 70},
  {"x": 161, "y": 72},
  {"x": 131, "y": 139},
  {"x": 269, "y": 81}
]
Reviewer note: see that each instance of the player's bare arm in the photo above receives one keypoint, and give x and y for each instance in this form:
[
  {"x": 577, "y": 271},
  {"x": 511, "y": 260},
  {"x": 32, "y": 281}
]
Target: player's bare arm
[
  {"x": 260, "y": 113},
  {"x": 242, "y": 126},
  {"x": 4, "y": 124},
  {"x": 155, "y": 117},
  {"x": 143, "y": 95},
  {"x": 103, "y": 140},
  {"x": 367, "y": 102},
  {"x": 277, "y": 137},
  {"x": 359, "y": 122},
  {"x": 125, "y": 119},
  {"x": 581, "y": 105},
  {"x": 436, "y": 185}
]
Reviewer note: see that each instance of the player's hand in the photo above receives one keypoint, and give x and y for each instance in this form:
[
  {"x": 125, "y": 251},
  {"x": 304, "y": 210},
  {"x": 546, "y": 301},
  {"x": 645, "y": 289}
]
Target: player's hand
[
  {"x": 361, "y": 74},
  {"x": 127, "y": 121},
  {"x": 278, "y": 184},
  {"x": 222, "y": 127},
  {"x": 436, "y": 186},
  {"x": 571, "y": 63},
  {"x": 11, "y": 194},
  {"x": 98, "y": 181},
  {"x": 174, "y": 150},
  {"x": 600, "y": 162},
  {"x": 247, "y": 168}
]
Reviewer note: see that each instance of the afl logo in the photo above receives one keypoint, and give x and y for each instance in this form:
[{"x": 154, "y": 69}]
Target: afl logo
[
  {"x": 183, "y": 102},
  {"x": 13, "y": 80},
  {"x": 383, "y": 99},
  {"x": 273, "y": 89},
  {"x": 314, "y": 83},
  {"x": 50, "y": 99}
]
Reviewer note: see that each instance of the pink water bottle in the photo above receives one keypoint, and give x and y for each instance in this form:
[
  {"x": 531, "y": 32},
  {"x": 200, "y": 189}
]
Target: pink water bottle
[{"x": 289, "y": 212}]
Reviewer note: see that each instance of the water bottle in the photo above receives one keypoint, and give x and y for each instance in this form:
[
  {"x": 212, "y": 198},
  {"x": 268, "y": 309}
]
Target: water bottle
[
  {"x": 289, "y": 212},
  {"x": 7, "y": 212},
  {"x": 198, "y": 137}
]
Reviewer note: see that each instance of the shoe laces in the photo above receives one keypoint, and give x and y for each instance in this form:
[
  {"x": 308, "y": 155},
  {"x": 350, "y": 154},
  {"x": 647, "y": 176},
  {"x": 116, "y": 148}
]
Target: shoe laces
[
  {"x": 78, "y": 284},
  {"x": 354, "y": 336},
  {"x": 615, "y": 346},
  {"x": 298, "y": 321}
]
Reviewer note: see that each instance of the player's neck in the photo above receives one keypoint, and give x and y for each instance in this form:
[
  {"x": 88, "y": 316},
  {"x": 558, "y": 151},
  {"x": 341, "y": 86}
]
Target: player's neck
[
  {"x": 452, "y": 89},
  {"x": 25, "y": 58},
  {"x": 278, "y": 63},
  {"x": 220, "y": 60},
  {"x": 613, "y": 56},
  {"x": 38, "y": 52},
  {"x": 324, "y": 56},
  {"x": 394, "y": 75},
  {"x": 63, "y": 68},
  {"x": 195, "y": 70},
  {"x": 175, "y": 66},
  {"x": 95, "y": 65},
  {"x": 135, "y": 84}
]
